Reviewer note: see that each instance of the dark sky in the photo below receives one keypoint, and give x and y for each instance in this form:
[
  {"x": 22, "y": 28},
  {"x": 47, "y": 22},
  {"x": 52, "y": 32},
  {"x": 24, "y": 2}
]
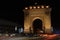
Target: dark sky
[{"x": 12, "y": 10}]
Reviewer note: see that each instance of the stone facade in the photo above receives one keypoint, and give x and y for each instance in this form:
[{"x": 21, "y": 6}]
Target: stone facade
[{"x": 37, "y": 12}]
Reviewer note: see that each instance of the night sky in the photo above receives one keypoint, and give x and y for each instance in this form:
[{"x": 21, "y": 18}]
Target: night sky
[{"x": 13, "y": 10}]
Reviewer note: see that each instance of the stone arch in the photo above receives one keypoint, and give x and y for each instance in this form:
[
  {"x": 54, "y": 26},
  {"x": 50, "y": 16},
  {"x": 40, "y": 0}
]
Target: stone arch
[{"x": 33, "y": 14}]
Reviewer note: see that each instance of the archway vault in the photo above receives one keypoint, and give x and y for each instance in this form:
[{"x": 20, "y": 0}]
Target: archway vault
[
  {"x": 32, "y": 14},
  {"x": 37, "y": 26}
]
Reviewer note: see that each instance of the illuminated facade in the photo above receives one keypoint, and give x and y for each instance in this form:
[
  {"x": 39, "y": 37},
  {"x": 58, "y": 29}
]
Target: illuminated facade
[{"x": 37, "y": 12}]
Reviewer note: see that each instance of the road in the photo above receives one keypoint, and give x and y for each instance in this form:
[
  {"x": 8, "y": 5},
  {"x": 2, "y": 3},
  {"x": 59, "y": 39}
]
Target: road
[{"x": 46, "y": 37}]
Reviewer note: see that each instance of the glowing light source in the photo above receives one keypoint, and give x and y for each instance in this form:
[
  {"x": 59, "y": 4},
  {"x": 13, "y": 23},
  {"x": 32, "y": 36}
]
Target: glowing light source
[
  {"x": 26, "y": 7},
  {"x": 47, "y": 6},
  {"x": 12, "y": 35},
  {"x": 41, "y": 31},
  {"x": 42, "y": 6},
  {"x": 30, "y": 7},
  {"x": 16, "y": 28},
  {"x": 6, "y": 35},
  {"x": 38, "y": 6},
  {"x": 45, "y": 35}
]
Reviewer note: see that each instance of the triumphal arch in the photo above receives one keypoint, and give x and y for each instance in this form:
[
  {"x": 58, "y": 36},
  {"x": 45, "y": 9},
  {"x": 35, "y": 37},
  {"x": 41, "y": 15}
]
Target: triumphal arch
[{"x": 42, "y": 13}]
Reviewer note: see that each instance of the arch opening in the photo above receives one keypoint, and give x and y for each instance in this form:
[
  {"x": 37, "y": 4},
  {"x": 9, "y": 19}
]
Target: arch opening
[{"x": 37, "y": 25}]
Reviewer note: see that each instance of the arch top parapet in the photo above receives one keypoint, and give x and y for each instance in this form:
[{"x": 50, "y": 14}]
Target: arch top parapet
[{"x": 37, "y": 7}]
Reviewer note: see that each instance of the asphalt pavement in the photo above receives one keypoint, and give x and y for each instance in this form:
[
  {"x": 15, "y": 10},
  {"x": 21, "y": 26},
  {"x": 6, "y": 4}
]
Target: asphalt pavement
[{"x": 45, "y": 37}]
